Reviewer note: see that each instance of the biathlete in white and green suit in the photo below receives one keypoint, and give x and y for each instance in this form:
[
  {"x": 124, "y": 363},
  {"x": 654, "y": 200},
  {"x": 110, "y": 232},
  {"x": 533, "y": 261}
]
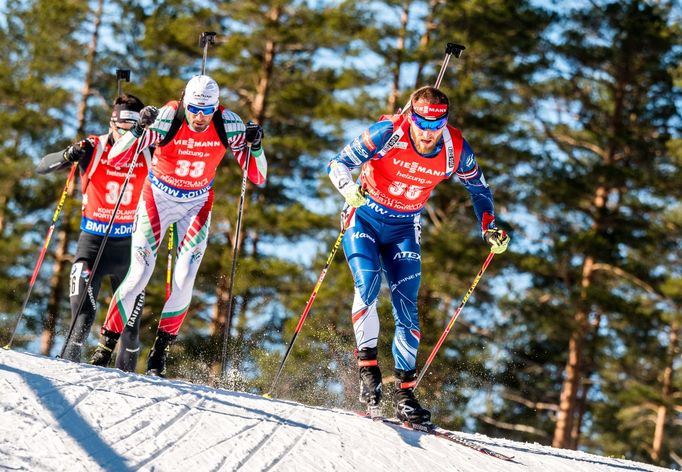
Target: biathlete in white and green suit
[{"x": 191, "y": 140}]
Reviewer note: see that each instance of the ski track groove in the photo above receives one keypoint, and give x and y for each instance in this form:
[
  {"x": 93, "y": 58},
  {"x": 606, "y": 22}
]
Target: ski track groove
[
  {"x": 97, "y": 381},
  {"x": 164, "y": 426},
  {"x": 177, "y": 441},
  {"x": 257, "y": 422},
  {"x": 293, "y": 446},
  {"x": 224, "y": 440},
  {"x": 134, "y": 412},
  {"x": 250, "y": 452}
]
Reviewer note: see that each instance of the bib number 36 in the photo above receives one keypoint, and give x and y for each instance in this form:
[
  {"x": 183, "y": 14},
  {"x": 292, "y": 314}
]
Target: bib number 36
[{"x": 113, "y": 189}]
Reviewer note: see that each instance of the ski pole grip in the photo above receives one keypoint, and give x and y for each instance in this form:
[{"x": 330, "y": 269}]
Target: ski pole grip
[
  {"x": 207, "y": 37},
  {"x": 122, "y": 75},
  {"x": 456, "y": 49}
]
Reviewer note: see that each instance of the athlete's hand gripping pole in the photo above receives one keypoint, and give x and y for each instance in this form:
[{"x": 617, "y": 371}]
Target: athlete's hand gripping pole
[
  {"x": 46, "y": 243},
  {"x": 86, "y": 290},
  {"x": 454, "y": 317}
]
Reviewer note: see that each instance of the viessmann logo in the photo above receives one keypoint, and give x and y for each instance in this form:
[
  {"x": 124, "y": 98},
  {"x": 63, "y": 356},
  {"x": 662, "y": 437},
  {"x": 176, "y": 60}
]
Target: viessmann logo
[
  {"x": 431, "y": 109},
  {"x": 414, "y": 167},
  {"x": 191, "y": 143}
]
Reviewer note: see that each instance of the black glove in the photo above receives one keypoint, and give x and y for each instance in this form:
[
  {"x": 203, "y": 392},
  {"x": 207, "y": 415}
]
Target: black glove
[
  {"x": 254, "y": 135},
  {"x": 147, "y": 116},
  {"x": 78, "y": 151}
]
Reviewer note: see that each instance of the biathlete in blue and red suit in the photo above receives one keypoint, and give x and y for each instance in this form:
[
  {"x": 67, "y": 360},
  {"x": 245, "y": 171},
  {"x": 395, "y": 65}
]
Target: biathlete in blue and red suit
[
  {"x": 402, "y": 159},
  {"x": 101, "y": 182}
]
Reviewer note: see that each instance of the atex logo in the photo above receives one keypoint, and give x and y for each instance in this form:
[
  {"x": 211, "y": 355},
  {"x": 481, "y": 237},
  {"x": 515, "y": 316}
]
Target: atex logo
[{"x": 407, "y": 255}]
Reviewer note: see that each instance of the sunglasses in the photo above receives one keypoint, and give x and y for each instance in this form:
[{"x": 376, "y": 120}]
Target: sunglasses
[
  {"x": 120, "y": 130},
  {"x": 194, "y": 109},
  {"x": 428, "y": 125}
]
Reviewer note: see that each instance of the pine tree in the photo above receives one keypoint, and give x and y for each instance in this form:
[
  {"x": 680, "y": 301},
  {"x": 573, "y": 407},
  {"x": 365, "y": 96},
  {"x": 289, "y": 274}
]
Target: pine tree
[{"x": 602, "y": 185}]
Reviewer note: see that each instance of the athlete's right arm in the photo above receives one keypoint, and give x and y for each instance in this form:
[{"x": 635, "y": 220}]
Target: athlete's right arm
[
  {"x": 77, "y": 152},
  {"x": 122, "y": 151},
  {"x": 360, "y": 150}
]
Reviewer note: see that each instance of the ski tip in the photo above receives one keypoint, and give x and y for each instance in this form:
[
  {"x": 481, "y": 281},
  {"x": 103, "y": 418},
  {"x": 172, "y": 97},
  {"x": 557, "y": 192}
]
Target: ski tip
[
  {"x": 267, "y": 395},
  {"x": 6, "y": 347}
]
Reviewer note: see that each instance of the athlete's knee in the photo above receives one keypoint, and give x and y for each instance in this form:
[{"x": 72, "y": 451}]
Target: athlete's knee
[
  {"x": 80, "y": 273},
  {"x": 367, "y": 286}
]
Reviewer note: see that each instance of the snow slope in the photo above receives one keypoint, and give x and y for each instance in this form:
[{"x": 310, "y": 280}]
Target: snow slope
[{"x": 57, "y": 415}]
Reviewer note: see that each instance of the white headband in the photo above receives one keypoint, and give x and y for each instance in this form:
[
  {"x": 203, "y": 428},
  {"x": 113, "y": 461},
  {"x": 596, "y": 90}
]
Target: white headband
[{"x": 127, "y": 115}]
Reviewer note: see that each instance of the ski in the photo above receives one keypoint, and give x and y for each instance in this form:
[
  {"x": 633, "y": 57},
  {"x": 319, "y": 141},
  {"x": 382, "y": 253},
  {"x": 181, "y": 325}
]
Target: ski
[{"x": 440, "y": 433}]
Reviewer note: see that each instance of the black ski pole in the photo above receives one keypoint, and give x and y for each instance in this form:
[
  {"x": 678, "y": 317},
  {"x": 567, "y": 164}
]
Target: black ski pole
[
  {"x": 121, "y": 76},
  {"x": 206, "y": 38},
  {"x": 235, "y": 251},
  {"x": 86, "y": 290},
  {"x": 46, "y": 243}
]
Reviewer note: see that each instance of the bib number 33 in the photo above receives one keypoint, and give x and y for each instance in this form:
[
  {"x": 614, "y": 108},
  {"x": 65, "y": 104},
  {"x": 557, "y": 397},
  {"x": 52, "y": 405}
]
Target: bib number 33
[{"x": 188, "y": 168}]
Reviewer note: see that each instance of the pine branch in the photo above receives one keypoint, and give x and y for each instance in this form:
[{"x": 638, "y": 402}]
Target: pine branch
[
  {"x": 530, "y": 404},
  {"x": 514, "y": 427}
]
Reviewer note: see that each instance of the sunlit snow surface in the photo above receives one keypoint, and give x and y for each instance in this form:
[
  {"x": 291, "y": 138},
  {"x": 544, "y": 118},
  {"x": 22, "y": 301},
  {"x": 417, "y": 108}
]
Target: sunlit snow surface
[{"x": 57, "y": 415}]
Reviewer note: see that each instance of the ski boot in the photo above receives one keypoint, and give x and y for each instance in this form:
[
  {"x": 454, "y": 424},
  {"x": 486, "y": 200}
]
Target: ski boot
[
  {"x": 156, "y": 363},
  {"x": 370, "y": 380},
  {"x": 127, "y": 358},
  {"x": 407, "y": 408},
  {"x": 129, "y": 349},
  {"x": 72, "y": 351},
  {"x": 105, "y": 348}
]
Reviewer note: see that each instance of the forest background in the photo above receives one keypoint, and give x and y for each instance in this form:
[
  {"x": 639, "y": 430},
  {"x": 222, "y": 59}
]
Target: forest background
[{"x": 572, "y": 337}]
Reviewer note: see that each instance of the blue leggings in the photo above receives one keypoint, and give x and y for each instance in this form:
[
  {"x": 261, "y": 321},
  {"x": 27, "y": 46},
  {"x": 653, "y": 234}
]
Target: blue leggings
[{"x": 373, "y": 245}]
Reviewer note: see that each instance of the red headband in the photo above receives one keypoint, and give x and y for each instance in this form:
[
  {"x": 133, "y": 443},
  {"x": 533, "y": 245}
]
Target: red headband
[{"x": 430, "y": 111}]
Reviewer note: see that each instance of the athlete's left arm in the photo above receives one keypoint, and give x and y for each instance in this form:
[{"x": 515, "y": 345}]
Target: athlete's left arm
[
  {"x": 234, "y": 129},
  {"x": 470, "y": 174}
]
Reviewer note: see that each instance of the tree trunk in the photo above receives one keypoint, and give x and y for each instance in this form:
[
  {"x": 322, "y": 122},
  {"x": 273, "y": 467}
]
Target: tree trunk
[
  {"x": 666, "y": 391},
  {"x": 258, "y": 107},
  {"x": 56, "y": 281},
  {"x": 574, "y": 365},
  {"x": 3, "y": 205},
  {"x": 399, "y": 53},
  {"x": 580, "y": 406}
]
